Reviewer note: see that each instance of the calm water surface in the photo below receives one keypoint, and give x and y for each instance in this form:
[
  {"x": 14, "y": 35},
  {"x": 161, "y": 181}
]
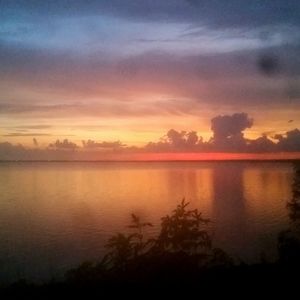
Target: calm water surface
[{"x": 55, "y": 215}]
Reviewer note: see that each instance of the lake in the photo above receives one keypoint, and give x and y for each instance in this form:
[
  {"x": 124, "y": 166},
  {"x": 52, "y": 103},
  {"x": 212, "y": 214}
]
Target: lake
[{"x": 55, "y": 215}]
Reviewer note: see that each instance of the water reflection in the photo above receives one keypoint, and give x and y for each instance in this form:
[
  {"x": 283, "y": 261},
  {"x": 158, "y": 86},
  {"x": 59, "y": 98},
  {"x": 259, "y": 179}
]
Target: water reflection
[
  {"x": 53, "y": 216},
  {"x": 193, "y": 182},
  {"x": 229, "y": 208}
]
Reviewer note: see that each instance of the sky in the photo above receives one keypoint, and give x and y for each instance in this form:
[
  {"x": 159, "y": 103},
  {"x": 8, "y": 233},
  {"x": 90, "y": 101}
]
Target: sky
[{"x": 149, "y": 76}]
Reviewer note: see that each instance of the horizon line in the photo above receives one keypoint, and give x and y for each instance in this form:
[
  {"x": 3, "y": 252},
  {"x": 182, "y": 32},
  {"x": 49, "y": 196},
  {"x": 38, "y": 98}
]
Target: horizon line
[{"x": 150, "y": 161}]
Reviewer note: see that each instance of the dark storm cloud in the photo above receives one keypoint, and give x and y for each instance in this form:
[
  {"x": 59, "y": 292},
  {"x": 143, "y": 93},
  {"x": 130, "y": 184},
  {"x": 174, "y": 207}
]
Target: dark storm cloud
[{"x": 216, "y": 13}]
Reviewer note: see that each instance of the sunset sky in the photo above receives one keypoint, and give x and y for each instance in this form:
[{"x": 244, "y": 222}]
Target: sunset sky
[{"x": 130, "y": 71}]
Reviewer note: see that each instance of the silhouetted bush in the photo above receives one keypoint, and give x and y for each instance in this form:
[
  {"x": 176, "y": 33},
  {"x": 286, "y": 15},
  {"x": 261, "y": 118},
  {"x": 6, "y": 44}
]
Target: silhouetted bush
[{"x": 183, "y": 248}]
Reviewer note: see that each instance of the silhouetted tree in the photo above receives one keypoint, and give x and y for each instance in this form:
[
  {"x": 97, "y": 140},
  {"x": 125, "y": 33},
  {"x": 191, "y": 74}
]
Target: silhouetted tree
[
  {"x": 183, "y": 231},
  {"x": 183, "y": 247},
  {"x": 124, "y": 248}
]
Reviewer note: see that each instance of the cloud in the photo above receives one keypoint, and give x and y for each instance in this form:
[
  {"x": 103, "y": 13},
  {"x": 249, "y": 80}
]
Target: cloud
[
  {"x": 118, "y": 59},
  {"x": 17, "y": 134},
  {"x": 227, "y": 126},
  {"x": 109, "y": 108},
  {"x": 263, "y": 144},
  {"x": 228, "y": 136},
  {"x": 11, "y": 152},
  {"x": 228, "y": 131},
  {"x": 68, "y": 82},
  {"x": 31, "y": 127},
  {"x": 7, "y": 108},
  {"x": 290, "y": 141},
  {"x": 90, "y": 144},
  {"x": 64, "y": 145},
  {"x": 177, "y": 141},
  {"x": 211, "y": 13}
]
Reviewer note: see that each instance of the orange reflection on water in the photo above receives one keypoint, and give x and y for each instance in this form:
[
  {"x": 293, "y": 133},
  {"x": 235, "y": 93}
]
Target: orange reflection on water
[
  {"x": 267, "y": 190},
  {"x": 55, "y": 215}
]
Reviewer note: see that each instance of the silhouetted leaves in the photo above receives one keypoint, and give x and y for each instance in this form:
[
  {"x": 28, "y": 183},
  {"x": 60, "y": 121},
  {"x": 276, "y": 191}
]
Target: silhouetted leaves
[
  {"x": 122, "y": 249},
  {"x": 182, "y": 231},
  {"x": 181, "y": 249}
]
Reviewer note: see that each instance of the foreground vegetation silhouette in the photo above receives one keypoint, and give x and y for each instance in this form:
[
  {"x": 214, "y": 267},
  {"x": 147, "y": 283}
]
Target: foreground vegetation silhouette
[
  {"x": 182, "y": 254},
  {"x": 182, "y": 248}
]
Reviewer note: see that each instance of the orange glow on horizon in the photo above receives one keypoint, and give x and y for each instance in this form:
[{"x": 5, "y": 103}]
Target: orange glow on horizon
[
  {"x": 193, "y": 156},
  {"x": 216, "y": 156}
]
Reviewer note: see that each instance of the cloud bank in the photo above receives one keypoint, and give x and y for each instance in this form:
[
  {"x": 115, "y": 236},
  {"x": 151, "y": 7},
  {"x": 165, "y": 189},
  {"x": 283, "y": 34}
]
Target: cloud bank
[{"x": 227, "y": 137}]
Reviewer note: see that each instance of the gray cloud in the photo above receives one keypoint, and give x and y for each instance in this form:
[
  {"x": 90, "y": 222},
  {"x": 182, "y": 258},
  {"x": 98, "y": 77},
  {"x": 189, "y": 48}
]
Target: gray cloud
[
  {"x": 263, "y": 144},
  {"x": 229, "y": 127},
  {"x": 225, "y": 78},
  {"x": 228, "y": 136},
  {"x": 216, "y": 13},
  {"x": 290, "y": 141},
  {"x": 190, "y": 77},
  {"x": 228, "y": 132}
]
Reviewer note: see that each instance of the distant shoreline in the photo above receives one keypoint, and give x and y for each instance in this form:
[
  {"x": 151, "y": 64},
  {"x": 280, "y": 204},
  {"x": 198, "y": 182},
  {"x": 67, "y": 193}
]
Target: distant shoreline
[{"x": 150, "y": 161}]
